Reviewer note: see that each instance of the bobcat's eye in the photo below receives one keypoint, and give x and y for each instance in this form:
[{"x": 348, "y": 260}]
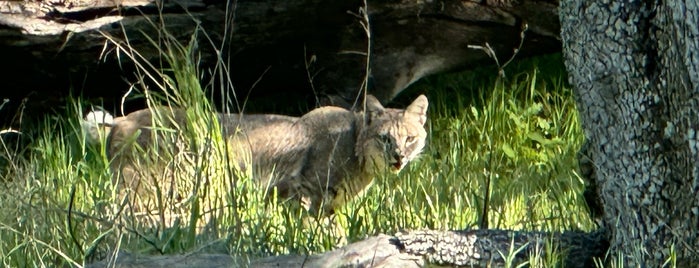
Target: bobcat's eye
[{"x": 410, "y": 139}]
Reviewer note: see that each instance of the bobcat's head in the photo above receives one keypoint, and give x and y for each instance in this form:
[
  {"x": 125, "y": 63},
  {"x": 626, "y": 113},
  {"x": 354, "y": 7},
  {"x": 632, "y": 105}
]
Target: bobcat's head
[{"x": 391, "y": 137}]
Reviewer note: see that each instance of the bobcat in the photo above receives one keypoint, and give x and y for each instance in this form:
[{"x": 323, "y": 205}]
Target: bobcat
[{"x": 322, "y": 159}]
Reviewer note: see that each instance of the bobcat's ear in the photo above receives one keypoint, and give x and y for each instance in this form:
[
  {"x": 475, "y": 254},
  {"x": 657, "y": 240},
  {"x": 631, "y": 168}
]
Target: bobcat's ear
[
  {"x": 373, "y": 105},
  {"x": 418, "y": 109},
  {"x": 374, "y": 108}
]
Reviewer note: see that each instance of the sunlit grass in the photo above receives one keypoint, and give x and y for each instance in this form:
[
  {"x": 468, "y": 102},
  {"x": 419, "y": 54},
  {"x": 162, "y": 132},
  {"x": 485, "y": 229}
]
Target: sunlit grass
[{"x": 512, "y": 142}]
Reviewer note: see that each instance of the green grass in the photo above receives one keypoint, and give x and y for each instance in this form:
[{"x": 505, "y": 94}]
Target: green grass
[{"x": 511, "y": 142}]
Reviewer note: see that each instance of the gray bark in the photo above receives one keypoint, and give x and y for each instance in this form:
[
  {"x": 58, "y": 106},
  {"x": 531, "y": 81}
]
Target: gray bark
[
  {"x": 472, "y": 248},
  {"x": 635, "y": 70}
]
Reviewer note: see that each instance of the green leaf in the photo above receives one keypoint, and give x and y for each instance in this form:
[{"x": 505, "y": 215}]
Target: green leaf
[{"x": 509, "y": 152}]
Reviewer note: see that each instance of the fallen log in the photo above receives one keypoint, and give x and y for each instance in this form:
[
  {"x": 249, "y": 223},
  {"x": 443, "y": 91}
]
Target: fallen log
[
  {"x": 469, "y": 248},
  {"x": 302, "y": 49}
]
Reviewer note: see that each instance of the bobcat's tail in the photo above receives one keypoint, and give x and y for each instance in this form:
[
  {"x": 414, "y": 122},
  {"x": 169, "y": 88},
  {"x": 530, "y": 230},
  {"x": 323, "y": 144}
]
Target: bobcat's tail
[{"x": 96, "y": 125}]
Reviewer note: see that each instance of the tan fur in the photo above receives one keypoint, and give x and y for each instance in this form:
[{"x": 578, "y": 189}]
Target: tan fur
[{"x": 322, "y": 159}]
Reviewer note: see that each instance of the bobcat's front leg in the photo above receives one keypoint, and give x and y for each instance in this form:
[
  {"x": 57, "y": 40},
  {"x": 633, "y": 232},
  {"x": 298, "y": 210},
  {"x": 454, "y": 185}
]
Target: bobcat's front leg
[
  {"x": 319, "y": 204},
  {"x": 309, "y": 198}
]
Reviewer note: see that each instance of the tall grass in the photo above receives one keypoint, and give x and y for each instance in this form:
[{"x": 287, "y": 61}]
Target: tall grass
[
  {"x": 520, "y": 137},
  {"x": 502, "y": 156}
]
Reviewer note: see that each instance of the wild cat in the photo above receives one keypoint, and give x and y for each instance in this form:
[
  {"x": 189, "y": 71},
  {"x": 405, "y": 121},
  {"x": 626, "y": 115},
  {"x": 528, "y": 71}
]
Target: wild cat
[{"x": 322, "y": 159}]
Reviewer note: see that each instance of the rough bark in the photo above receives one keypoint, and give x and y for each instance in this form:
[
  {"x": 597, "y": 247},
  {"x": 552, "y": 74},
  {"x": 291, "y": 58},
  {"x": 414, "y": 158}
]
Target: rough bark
[
  {"x": 54, "y": 46},
  {"x": 635, "y": 69},
  {"x": 473, "y": 248}
]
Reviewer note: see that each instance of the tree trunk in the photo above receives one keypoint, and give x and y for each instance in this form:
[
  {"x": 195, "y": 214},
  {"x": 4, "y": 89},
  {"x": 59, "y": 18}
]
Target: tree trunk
[
  {"x": 635, "y": 70},
  {"x": 54, "y": 45}
]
